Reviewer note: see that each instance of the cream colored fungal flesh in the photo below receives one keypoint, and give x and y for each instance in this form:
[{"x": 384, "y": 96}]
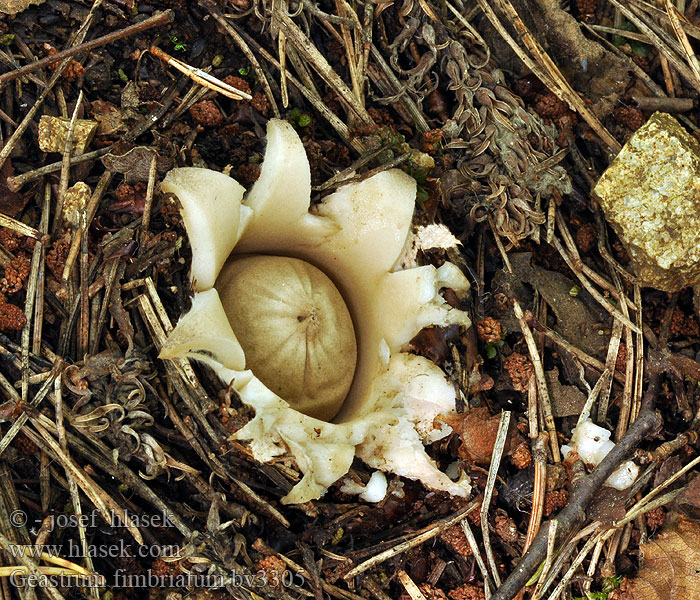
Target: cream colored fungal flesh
[{"x": 353, "y": 240}]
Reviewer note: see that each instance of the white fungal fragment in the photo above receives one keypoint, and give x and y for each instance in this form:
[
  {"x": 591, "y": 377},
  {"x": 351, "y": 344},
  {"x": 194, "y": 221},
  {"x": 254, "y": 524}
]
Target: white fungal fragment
[
  {"x": 592, "y": 444},
  {"x": 354, "y": 238},
  {"x": 376, "y": 487}
]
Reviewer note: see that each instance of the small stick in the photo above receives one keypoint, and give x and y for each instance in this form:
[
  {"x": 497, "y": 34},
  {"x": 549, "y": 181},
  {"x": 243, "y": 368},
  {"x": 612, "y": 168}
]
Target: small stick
[
  {"x": 593, "y": 395},
  {"x": 33, "y": 298},
  {"x": 639, "y": 356},
  {"x": 610, "y": 364},
  {"x": 532, "y": 407},
  {"x": 551, "y": 217},
  {"x": 411, "y": 588},
  {"x": 691, "y": 57},
  {"x": 498, "y": 447},
  {"x": 499, "y": 244},
  {"x": 22, "y": 229},
  {"x": 591, "y": 290},
  {"x": 158, "y": 19},
  {"x": 41, "y": 275},
  {"x": 668, "y": 78},
  {"x": 146, "y": 218},
  {"x": 425, "y": 534},
  {"x": 201, "y": 77},
  {"x": 65, "y": 165},
  {"x": 551, "y": 539},
  {"x": 476, "y": 552},
  {"x": 84, "y": 326},
  {"x": 16, "y": 182},
  {"x": 674, "y": 105},
  {"x": 541, "y": 381},
  {"x": 572, "y": 569}
]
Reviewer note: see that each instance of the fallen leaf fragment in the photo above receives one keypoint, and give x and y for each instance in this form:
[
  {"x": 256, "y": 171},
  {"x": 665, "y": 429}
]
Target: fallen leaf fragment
[
  {"x": 671, "y": 565},
  {"x": 478, "y": 430}
]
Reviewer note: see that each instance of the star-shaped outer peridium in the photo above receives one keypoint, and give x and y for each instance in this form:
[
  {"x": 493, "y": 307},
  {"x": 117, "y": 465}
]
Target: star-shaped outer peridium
[{"x": 356, "y": 236}]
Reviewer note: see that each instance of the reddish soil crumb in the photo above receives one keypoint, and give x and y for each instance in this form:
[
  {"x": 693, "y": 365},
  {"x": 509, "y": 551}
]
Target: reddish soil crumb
[
  {"x": 565, "y": 125},
  {"x": 431, "y": 593},
  {"x": 11, "y": 318},
  {"x": 24, "y": 445},
  {"x": 124, "y": 191},
  {"x": 555, "y": 500},
  {"x": 261, "y": 104},
  {"x": 16, "y": 274},
  {"x": 467, "y": 592},
  {"x": 500, "y": 303},
  {"x": 642, "y": 62},
  {"x": 431, "y": 140},
  {"x": 506, "y": 528},
  {"x": 522, "y": 457},
  {"x": 620, "y": 253},
  {"x": 528, "y": 87},
  {"x": 585, "y": 9},
  {"x": 57, "y": 255},
  {"x": 336, "y": 572},
  {"x": 629, "y": 116},
  {"x": 72, "y": 72},
  {"x": 206, "y": 113},
  {"x": 549, "y": 106},
  {"x": 130, "y": 199},
  {"x": 682, "y": 325},
  {"x": 489, "y": 330},
  {"x": 160, "y": 568},
  {"x": 238, "y": 83},
  {"x": 9, "y": 239},
  {"x": 520, "y": 370},
  {"x": 656, "y": 517},
  {"x": 382, "y": 117},
  {"x": 454, "y": 537},
  {"x": 273, "y": 569},
  {"x": 621, "y": 362},
  {"x": 587, "y": 237},
  {"x": 248, "y": 174},
  {"x": 170, "y": 212}
]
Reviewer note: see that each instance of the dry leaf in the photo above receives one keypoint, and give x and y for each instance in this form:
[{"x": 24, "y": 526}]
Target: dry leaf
[
  {"x": 136, "y": 163},
  {"x": 12, "y": 7},
  {"x": 671, "y": 565},
  {"x": 477, "y": 430}
]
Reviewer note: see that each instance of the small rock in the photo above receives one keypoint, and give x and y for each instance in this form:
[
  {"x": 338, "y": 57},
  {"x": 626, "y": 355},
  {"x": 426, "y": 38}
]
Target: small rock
[
  {"x": 53, "y": 130},
  {"x": 651, "y": 196},
  {"x": 74, "y": 203}
]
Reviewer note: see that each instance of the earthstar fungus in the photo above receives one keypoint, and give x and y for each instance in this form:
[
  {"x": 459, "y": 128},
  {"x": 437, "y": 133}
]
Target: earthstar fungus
[{"x": 306, "y": 313}]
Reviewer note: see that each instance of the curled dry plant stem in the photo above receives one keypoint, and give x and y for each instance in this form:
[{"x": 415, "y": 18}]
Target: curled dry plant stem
[{"x": 574, "y": 513}]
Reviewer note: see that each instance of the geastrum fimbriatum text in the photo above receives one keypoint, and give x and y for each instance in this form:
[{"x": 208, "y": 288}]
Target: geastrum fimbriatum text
[{"x": 306, "y": 312}]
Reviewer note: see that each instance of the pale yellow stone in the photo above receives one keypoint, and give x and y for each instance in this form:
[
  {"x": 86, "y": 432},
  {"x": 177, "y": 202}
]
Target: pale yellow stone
[
  {"x": 651, "y": 197},
  {"x": 74, "y": 203},
  {"x": 53, "y": 130}
]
